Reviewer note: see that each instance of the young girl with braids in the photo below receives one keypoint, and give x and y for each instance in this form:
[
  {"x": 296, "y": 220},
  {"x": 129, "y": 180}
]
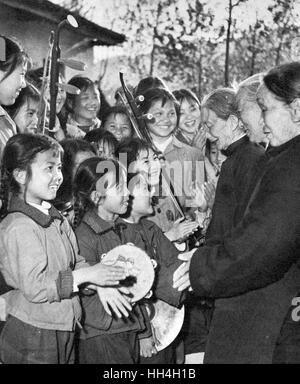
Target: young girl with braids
[
  {"x": 101, "y": 195},
  {"x": 39, "y": 257}
]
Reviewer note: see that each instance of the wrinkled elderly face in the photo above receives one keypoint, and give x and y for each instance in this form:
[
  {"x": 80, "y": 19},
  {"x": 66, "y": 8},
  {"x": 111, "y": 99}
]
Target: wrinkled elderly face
[
  {"x": 220, "y": 129},
  {"x": 251, "y": 116},
  {"x": 279, "y": 126}
]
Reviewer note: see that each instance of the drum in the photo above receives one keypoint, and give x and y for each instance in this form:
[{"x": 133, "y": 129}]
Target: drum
[
  {"x": 166, "y": 322},
  {"x": 138, "y": 266}
]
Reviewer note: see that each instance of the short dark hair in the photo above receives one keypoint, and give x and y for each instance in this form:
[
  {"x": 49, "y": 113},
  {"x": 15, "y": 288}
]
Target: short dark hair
[
  {"x": 81, "y": 82},
  {"x": 14, "y": 56},
  {"x": 284, "y": 81},
  {"x": 186, "y": 94},
  {"x": 155, "y": 94},
  {"x": 149, "y": 83},
  {"x": 19, "y": 153}
]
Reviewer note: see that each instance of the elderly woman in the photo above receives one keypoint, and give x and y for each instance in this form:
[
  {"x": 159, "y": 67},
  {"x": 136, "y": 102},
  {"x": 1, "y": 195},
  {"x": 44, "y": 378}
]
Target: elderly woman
[
  {"x": 250, "y": 113},
  {"x": 221, "y": 118},
  {"x": 253, "y": 271}
]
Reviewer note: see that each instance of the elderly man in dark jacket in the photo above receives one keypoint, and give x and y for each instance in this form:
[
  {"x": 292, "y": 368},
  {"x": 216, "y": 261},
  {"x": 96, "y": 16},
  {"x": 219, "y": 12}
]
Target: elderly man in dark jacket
[{"x": 253, "y": 271}]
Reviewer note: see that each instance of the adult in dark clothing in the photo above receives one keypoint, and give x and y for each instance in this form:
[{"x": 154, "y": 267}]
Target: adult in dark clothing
[
  {"x": 253, "y": 271},
  {"x": 249, "y": 110},
  {"x": 220, "y": 117}
]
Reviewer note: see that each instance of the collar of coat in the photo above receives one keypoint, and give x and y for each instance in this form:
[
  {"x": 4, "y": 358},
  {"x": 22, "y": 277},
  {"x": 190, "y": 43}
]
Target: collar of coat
[
  {"x": 234, "y": 146},
  {"x": 100, "y": 226},
  {"x": 175, "y": 143},
  {"x": 274, "y": 151},
  {"x": 19, "y": 205}
]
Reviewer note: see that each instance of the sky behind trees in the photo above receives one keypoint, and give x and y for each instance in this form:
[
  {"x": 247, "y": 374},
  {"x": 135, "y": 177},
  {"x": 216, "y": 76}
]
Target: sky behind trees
[{"x": 199, "y": 44}]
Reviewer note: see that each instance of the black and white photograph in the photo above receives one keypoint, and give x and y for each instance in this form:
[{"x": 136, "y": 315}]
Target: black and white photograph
[{"x": 149, "y": 185}]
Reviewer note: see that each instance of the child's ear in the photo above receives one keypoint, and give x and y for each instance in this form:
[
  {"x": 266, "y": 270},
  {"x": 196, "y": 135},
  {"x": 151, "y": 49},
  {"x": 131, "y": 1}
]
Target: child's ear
[
  {"x": 20, "y": 176},
  {"x": 95, "y": 197}
]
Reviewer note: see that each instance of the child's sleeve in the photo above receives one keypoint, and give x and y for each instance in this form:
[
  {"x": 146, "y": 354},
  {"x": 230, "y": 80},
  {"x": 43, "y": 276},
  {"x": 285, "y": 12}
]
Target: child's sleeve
[
  {"x": 26, "y": 264},
  {"x": 80, "y": 261},
  {"x": 167, "y": 258}
]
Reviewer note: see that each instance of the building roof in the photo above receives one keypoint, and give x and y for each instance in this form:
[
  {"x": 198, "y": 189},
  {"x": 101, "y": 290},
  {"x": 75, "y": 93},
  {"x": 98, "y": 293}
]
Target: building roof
[{"x": 55, "y": 13}]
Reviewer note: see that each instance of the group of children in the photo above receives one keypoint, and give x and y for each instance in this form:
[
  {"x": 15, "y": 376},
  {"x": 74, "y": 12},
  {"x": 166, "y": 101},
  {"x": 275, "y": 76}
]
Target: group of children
[{"x": 98, "y": 179}]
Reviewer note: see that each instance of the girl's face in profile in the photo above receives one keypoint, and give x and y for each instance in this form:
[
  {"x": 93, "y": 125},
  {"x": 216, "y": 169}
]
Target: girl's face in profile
[
  {"x": 11, "y": 86},
  {"x": 141, "y": 194},
  {"x": 119, "y": 125},
  {"x": 46, "y": 177},
  {"x": 26, "y": 118},
  {"x": 116, "y": 194},
  {"x": 87, "y": 105}
]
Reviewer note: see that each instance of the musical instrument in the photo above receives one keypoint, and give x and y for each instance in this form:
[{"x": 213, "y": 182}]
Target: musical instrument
[
  {"x": 138, "y": 266},
  {"x": 51, "y": 77},
  {"x": 166, "y": 322},
  {"x": 138, "y": 121}
]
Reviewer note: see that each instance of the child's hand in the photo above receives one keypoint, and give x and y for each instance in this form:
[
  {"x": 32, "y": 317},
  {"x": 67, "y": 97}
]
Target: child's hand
[
  {"x": 112, "y": 298},
  {"x": 181, "y": 229},
  {"x": 147, "y": 347},
  {"x": 106, "y": 275},
  {"x": 199, "y": 140}
]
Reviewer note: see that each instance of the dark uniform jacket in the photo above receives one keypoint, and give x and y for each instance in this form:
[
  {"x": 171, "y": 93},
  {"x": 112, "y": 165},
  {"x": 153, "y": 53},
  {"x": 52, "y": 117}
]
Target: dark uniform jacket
[
  {"x": 96, "y": 237},
  {"x": 254, "y": 268},
  {"x": 236, "y": 181}
]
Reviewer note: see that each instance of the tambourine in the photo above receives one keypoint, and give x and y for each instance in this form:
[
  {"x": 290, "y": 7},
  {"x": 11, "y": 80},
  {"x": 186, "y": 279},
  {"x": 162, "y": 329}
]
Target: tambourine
[
  {"x": 139, "y": 268},
  {"x": 166, "y": 322}
]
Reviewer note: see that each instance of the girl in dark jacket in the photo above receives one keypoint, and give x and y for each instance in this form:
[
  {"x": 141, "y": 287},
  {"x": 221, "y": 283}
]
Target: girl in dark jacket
[{"x": 101, "y": 195}]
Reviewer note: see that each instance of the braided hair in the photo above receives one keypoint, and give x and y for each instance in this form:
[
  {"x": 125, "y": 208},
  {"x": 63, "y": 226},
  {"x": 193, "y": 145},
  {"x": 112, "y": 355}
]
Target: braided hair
[
  {"x": 19, "y": 153},
  {"x": 88, "y": 173}
]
